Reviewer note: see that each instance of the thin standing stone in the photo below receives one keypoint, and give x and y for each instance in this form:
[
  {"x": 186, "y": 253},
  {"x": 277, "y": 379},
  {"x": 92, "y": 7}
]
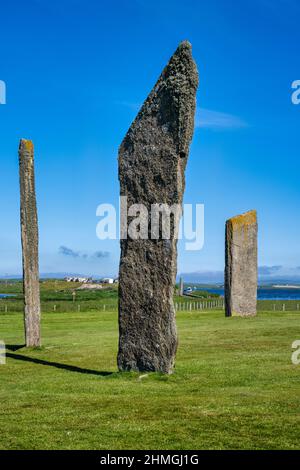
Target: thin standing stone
[
  {"x": 30, "y": 241},
  {"x": 181, "y": 287}
]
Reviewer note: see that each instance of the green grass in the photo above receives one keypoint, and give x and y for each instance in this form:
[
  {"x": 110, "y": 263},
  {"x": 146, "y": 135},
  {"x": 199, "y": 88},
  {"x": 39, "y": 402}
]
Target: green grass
[{"x": 234, "y": 386}]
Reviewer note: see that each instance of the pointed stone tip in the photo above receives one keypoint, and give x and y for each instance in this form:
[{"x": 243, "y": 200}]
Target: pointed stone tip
[
  {"x": 26, "y": 144},
  {"x": 185, "y": 45}
]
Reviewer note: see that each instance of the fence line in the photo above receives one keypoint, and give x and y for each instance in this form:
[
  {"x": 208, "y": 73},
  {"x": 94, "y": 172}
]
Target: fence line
[
  {"x": 187, "y": 306},
  {"x": 81, "y": 307},
  {"x": 197, "y": 306}
]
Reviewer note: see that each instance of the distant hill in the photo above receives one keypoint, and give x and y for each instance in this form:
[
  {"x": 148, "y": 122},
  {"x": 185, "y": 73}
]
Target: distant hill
[
  {"x": 217, "y": 277},
  {"x": 204, "y": 277},
  {"x": 198, "y": 277},
  {"x": 50, "y": 275}
]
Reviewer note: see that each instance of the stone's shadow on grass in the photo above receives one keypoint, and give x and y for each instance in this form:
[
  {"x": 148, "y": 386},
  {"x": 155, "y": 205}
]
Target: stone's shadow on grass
[
  {"x": 130, "y": 375},
  {"x": 42, "y": 362},
  {"x": 14, "y": 347}
]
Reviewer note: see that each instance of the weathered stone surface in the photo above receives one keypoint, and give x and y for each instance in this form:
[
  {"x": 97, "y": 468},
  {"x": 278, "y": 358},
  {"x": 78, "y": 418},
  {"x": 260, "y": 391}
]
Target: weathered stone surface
[
  {"x": 152, "y": 161},
  {"x": 241, "y": 265},
  {"x": 29, "y": 234}
]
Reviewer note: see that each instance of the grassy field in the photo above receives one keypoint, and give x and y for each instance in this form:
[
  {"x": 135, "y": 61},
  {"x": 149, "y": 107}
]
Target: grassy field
[
  {"x": 234, "y": 386},
  {"x": 57, "y": 295}
]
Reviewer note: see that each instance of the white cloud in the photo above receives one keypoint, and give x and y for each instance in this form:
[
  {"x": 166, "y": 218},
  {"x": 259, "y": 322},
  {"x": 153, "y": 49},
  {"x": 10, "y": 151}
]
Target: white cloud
[
  {"x": 129, "y": 104},
  {"x": 205, "y": 118},
  {"x": 208, "y": 119}
]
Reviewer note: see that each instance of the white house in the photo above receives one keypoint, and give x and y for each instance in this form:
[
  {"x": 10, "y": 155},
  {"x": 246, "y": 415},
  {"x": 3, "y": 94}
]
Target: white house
[
  {"x": 83, "y": 280},
  {"x": 107, "y": 280}
]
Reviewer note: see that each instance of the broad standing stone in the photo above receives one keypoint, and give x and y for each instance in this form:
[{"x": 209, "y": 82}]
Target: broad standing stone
[
  {"x": 29, "y": 234},
  {"x": 152, "y": 161},
  {"x": 241, "y": 265}
]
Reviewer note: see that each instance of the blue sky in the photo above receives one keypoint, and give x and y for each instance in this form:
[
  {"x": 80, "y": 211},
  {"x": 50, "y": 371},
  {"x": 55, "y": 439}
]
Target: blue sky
[{"x": 76, "y": 72}]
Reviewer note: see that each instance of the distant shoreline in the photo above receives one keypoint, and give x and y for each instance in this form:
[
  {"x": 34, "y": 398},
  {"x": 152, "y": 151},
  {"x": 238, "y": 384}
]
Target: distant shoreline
[{"x": 286, "y": 286}]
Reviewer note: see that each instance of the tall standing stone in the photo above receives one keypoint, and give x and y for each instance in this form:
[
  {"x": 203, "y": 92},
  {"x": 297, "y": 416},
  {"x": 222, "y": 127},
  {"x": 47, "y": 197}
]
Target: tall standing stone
[
  {"x": 29, "y": 235},
  {"x": 152, "y": 161},
  {"x": 241, "y": 265}
]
